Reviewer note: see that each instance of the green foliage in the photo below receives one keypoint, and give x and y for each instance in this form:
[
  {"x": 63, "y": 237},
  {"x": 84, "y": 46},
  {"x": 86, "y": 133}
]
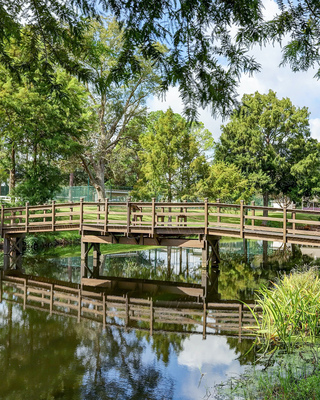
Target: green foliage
[
  {"x": 294, "y": 376},
  {"x": 193, "y": 61},
  {"x": 224, "y": 182},
  {"x": 40, "y": 183},
  {"x": 38, "y": 128},
  {"x": 171, "y": 157},
  {"x": 298, "y": 23},
  {"x": 291, "y": 309},
  {"x": 269, "y": 141},
  {"x": 120, "y": 107}
]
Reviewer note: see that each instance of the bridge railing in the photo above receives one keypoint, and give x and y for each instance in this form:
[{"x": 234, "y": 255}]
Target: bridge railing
[{"x": 142, "y": 217}]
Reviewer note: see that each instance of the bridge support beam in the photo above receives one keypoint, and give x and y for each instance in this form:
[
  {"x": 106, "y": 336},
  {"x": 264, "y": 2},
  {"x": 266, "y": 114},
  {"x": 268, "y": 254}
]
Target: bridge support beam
[
  {"x": 86, "y": 271},
  {"x": 210, "y": 264},
  {"x": 12, "y": 252}
]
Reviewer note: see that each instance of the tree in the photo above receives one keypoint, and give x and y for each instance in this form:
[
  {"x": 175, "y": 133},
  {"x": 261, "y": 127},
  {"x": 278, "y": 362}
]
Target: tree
[
  {"x": 37, "y": 129},
  {"x": 119, "y": 106},
  {"x": 224, "y": 182},
  {"x": 203, "y": 59},
  {"x": 269, "y": 140},
  {"x": 298, "y": 23},
  {"x": 171, "y": 158}
]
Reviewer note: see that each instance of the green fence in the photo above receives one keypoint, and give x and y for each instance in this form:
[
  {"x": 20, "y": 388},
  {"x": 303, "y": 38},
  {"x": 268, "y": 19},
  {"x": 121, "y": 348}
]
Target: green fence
[
  {"x": 88, "y": 193},
  {"x": 4, "y": 190}
]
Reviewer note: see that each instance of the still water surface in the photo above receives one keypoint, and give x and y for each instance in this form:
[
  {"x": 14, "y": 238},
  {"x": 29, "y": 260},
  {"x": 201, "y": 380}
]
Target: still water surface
[{"x": 45, "y": 356}]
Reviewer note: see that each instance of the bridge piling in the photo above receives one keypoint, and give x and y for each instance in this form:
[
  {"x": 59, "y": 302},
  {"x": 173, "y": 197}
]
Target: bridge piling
[{"x": 12, "y": 251}]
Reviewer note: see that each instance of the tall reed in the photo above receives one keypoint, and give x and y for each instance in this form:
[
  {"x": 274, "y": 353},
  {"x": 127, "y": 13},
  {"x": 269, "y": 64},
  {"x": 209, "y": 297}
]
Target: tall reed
[{"x": 291, "y": 308}]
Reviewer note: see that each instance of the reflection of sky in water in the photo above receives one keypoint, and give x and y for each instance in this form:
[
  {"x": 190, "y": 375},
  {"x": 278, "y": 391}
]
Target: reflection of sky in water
[{"x": 194, "y": 365}]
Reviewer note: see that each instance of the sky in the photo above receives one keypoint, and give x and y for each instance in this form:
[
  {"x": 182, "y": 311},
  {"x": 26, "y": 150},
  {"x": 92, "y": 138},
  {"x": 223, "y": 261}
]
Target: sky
[{"x": 300, "y": 87}]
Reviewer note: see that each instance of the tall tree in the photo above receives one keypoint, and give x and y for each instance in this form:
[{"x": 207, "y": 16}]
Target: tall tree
[
  {"x": 118, "y": 105},
  {"x": 38, "y": 128},
  {"x": 171, "y": 157},
  {"x": 269, "y": 140}
]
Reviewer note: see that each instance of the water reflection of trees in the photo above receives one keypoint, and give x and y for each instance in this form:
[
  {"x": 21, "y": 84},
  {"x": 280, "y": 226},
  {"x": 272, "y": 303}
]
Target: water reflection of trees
[
  {"x": 116, "y": 368},
  {"x": 51, "y": 357},
  {"x": 242, "y": 274}
]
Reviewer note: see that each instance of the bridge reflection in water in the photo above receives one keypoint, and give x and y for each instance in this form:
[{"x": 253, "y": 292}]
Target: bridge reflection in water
[{"x": 204, "y": 315}]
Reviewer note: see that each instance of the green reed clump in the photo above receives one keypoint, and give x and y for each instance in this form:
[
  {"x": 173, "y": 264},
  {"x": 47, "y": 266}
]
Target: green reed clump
[{"x": 291, "y": 308}]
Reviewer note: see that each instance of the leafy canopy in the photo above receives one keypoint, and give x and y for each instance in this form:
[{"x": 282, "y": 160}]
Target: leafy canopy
[
  {"x": 269, "y": 140},
  {"x": 171, "y": 157}
]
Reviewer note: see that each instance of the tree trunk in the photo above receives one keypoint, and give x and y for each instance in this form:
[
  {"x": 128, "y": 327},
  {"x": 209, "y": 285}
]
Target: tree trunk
[
  {"x": 99, "y": 181},
  {"x": 12, "y": 173},
  {"x": 71, "y": 178},
  {"x": 265, "y": 204}
]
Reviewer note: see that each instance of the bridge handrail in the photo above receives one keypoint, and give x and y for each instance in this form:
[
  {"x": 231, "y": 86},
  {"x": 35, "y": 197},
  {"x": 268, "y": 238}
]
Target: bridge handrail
[{"x": 146, "y": 217}]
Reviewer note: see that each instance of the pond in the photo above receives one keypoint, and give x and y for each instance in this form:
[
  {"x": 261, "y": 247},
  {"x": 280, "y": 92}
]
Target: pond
[{"x": 47, "y": 355}]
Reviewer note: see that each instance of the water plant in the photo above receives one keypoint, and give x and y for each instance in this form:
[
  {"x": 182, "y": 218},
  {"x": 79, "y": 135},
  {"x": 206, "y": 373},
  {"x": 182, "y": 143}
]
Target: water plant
[{"x": 290, "y": 309}]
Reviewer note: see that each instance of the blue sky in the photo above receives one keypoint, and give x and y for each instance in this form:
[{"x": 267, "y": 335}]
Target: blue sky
[{"x": 301, "y": 87}]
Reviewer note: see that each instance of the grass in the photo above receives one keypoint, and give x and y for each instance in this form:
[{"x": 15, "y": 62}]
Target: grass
[
  {"x": 294, "y": 376},
  {"x": 68, "y": 251},
  {"x": 290, "y": 309},
  {"x": 289, "y": 332}
]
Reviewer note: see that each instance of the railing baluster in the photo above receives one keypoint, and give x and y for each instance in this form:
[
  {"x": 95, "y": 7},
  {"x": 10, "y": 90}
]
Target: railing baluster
[
  {"x": 81, "y": 213},
  {"x": 106, "y": 211},
  {"x": 284, "y": 224},
  {"x": 53, "y": 215},
  {"x": 253, "y": 213},
  {"x": 2, "y": 220},
  {"x": 218, "y": 211},
  {"x": 153, "y": 216},
  {"x": 128, "y": 214},
  {"x": 241, "y": 219},
  {"x": 27, "y": 217},
  {"x": 206, "y": 216},
  {"x": 293, "y": 216}
]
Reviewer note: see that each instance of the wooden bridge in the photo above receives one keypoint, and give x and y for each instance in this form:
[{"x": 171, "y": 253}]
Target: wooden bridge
[{"x": 198, "y": 224}]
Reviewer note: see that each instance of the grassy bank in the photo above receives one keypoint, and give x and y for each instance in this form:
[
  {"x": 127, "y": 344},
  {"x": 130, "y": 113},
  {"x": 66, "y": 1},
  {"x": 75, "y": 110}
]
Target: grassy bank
[{"x": 288, "y": 333}]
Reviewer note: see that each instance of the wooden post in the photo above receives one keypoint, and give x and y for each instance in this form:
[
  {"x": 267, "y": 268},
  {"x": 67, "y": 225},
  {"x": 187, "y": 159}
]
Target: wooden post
[
  {"x": 53, "y": 214},
  {"x": 6, "y": 253},
  {"x": 25, "y": 293},
  {"x": 241, "y": 219},
  {"x": 2, "y": 220},
  {"x": 206, "y": 219},
  {"x": 293, "y": 216},
  {"x": 204, "y": 329},
  {"x": 51, "y": 298},
  {"x": 71, "y": 216},
  {"x": 104, "y": 311},
  {"x": 98, "y": 209},
  {"x": 240, "y": 320},
  {"x": 27, "y": 217},
  {"x": 185, "y": 210},
  {"x": 81, "y": 213},
  {"x": 153, "y": 216},
  {"x": 128, "y": 214},
  {"x": 218, "y": 211},
  {"x": 106, "y": 211},
  {"x": 151, "y": 316},
  {"x": 127, "y": 310},
  {"x": 1, "y": 288},
  {"x": 284, "y": 224},
  {"x": 253, "y": 214},
  {"x": 79, "y": 304}
]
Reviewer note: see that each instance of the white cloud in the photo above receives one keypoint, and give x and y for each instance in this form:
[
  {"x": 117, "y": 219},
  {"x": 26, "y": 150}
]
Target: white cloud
[
  {"x": 198, "y": 352},
  {"x": 301, "y": 87},
  {"x": 315, "y": 128}
]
